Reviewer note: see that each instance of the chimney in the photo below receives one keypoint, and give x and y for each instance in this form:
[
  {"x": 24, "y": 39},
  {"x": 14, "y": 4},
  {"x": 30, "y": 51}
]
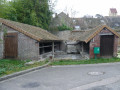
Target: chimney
[{"x": 68, "y": 15}]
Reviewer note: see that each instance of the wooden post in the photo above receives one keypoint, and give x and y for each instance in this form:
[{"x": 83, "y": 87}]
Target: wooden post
[
  {"x": 52, "y": 50},
  {"x": 82, "y": 48}
]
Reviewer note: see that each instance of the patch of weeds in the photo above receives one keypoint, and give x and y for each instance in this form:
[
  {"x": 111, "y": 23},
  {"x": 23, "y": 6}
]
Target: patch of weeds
[
  {"x": 28, "y": 60},
  {"x": 8, "y": 66}
]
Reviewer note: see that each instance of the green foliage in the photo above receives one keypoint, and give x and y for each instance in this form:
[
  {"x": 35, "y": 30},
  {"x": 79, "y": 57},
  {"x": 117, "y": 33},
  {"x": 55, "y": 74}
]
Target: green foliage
[
  {"x": 2, "y": 8},
  {"x": 53, "y": 29},
  {"x": 64, "y": 27},
  {"x": 8, "y": 66},
  {"x": 33, "y": 12}
]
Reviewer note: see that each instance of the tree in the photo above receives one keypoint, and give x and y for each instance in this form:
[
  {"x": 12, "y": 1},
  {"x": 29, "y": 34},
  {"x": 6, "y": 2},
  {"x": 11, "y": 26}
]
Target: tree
[
  {"x": 33, "y": 12},
  {"x": 2, "y": 8}
]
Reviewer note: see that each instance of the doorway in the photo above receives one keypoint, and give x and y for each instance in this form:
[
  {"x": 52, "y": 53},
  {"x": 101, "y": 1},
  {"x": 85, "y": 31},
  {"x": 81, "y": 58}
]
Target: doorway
[
  {"x": 11, "y": 45},
  {"x": 106, "y": 45}
]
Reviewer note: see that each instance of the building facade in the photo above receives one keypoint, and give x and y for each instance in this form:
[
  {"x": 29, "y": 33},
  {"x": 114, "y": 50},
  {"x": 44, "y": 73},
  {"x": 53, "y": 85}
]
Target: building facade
[
  {"x": 102, "y": 37},
  {"x": 22, "y": 41}
]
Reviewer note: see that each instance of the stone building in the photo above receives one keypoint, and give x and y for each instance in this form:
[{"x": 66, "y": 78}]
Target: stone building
[
  {"x": 23, "y": 41},
  {"x": 113, "y": 12},
  {"x": 61, "y": 19},
  {"x": 75, "y": 23},
  {"x": 102, "y": 36}
]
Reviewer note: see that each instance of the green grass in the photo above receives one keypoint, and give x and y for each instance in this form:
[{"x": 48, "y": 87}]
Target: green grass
[
  {"x": 8, "y": 66},
  {"x": 91, "y": 61}
]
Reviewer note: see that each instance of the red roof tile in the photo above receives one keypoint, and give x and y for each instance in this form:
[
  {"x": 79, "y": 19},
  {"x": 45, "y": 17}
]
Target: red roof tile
[{"x": 113, "y": 10}]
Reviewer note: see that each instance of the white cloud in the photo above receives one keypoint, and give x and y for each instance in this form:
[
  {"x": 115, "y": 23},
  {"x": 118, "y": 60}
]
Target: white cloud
[{"x": 90, "y": 7}]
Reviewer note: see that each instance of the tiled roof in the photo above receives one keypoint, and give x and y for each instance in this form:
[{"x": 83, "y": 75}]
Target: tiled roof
[
  {"x": 88, "y": 35},
  {"x": 29, "y": 30},
  {"x": 113, "y": 10},
  {"x": 75, "y": 34}
]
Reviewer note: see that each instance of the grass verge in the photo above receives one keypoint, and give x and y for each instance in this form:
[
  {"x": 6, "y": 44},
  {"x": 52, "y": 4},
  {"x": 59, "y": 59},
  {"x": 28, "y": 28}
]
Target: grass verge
[
  {"x": 8, "y": 66},
  {"x": 91, "y": 61}
]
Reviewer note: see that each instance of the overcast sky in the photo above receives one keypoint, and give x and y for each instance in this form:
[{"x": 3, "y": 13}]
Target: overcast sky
[{"x": 83, "y": 7}]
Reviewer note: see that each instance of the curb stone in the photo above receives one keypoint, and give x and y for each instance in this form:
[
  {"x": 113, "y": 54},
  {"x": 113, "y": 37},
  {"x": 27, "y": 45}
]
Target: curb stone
[
  {"x": 23, "y": 72},
  {"x": 97, "y": 64}
]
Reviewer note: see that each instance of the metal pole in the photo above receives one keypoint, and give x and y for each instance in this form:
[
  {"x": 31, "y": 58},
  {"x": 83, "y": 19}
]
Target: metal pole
[{"x": 95, "y": 56}]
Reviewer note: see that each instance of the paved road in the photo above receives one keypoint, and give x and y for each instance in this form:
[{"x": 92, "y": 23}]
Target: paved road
[{"x": 74, "y": 77}]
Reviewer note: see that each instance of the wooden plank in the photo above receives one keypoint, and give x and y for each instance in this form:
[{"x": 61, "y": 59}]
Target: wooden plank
[
  {"x": 53, "y": 50},
  {"x": 11, "y": 45}
]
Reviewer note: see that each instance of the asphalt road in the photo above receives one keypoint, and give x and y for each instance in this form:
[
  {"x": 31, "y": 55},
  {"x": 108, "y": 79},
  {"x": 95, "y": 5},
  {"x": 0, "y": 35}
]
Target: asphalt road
[{"x": 72, "y": 77}]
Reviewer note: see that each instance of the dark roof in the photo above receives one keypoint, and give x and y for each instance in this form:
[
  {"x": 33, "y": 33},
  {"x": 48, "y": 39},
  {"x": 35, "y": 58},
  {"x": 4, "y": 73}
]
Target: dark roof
[
  {"x": 89, "y": 34},
  {"x": 113, "y": 10},
  {"x": 29, "y": 30},
  {"x": 62, "y": 13}
]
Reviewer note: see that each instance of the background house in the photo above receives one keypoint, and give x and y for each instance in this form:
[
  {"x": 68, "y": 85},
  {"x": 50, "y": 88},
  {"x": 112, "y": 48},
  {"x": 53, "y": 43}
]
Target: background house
[
  {"x": 113, "y": 12},
  {"x": 61, "y": 18},
  {"x": 86, "y": 22},
  {"x": 24, "y": 41}
]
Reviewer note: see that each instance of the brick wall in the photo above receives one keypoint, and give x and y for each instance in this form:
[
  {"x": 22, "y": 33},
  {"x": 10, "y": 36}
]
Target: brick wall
[
  {"x": 95, "y": 42},
  {"x": 115, "y": 46},
  {"x": 28, "y": 48}
]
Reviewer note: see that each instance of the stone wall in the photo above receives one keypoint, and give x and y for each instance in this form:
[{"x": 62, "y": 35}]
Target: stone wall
[
  {"x": 28, "y": 48},
  {"x": 1, "y": 45},
  {"x": 1, "y": 49},
  {"x": 64, "y": 35}
]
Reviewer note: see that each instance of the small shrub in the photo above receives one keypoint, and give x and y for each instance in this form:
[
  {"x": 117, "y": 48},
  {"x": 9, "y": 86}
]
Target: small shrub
[{"x": 64, "y": 27}]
